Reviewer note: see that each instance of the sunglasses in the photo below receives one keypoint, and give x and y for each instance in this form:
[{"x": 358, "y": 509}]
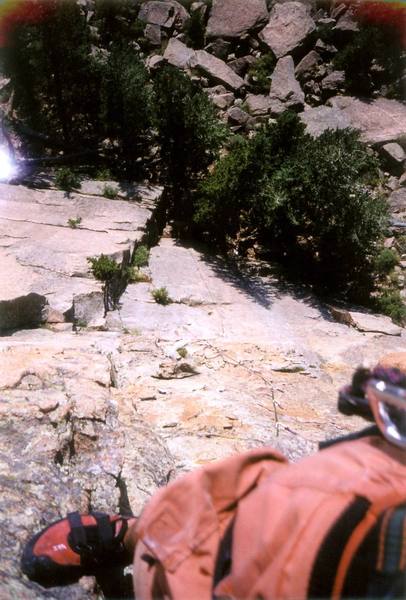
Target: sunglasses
[{"x": 388, "y": 405}]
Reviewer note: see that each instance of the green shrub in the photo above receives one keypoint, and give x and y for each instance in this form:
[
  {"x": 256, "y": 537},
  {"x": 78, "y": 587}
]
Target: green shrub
[
  {"x": 278, "y": 187},
  {"x": 195, "y": 30},
  {"x": 372, "y": 59},
  {"x": 135, "y": 275},
  {"x": 385, "y": 261},
  {"x": 141, "y": 256},
  {"x": 182, "y": 351},
  {"x": 104, "y": 268},
  {"x": 67, "y": 180},
  {"x": 390, "y": 302},
  {"x": 110, "y": 192},
  {"x": 189, "y": 133},
  {"x": 261, "y": 71},
  {"x": 161, "y": 296},
  {"x": 73, "y": 223}
]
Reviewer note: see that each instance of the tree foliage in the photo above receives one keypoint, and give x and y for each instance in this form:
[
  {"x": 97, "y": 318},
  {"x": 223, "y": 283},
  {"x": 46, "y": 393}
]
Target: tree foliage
[
  {"x": 189, "y": 132},
  {"x": 305, "y": 199}
]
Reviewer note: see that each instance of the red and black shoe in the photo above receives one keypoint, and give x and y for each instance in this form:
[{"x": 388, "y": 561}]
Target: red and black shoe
[{"x": 75, "y": 546}]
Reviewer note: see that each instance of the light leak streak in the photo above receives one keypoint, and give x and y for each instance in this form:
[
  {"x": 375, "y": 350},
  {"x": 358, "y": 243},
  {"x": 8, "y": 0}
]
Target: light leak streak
[{"x": 7, "y": 166}]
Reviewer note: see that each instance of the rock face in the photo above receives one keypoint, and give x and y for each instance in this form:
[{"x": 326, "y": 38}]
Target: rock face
[
  {"x": 234, "y": 18},
  {"x": 216, "y": 70},
  {"x": 284, "y": 86},
  {"x": 289, "y": 26},
  {"x": 47, "y": 236},
  {"x": 321, "y": 118},
  {"x": 380, "y": 121},
  {"x": 101, "y": 419}
]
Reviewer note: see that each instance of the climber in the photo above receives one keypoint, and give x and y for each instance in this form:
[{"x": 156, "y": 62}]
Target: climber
[{"x": 332, "y": 525}]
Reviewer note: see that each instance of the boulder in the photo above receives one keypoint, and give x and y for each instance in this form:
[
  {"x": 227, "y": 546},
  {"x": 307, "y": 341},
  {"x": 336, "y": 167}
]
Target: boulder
[
  {"x": 222, "y": 101},
  {"x": 289, "y": 26},
  {"x": 346, "y": 24},
  {"x": 321, "y": 118},
  {"x": 394, "y": 157},
  {"x": 397, "y": 202},
  {"x": 234, "y": 18},
  {"x": 24, "y": 311},
  {"x": 324, "y": 48},
  {"x": 242, "y": 64},
  {"x": 308, "y": 64},
  {"x": 220, "y": 48},
  {"x": 237, "y": 116},
  {"x": 284, "y": 85},
  {"x": 374, "y": 323},
  {"x": 379, "y": 121},
  {"x": 165, "y": 14},
  {"x": 153, "y": 34},
  {"x": 216, "y": 70},
  {"x": 334, "y": 82},
  {"x": 88, "y": 310},
  {"x": 178, "y": 54},
  {"x": 258, "y": 105}
]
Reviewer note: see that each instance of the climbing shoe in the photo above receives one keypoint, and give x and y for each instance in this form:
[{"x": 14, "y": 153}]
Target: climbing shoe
[{"x": 75, "y": 546}]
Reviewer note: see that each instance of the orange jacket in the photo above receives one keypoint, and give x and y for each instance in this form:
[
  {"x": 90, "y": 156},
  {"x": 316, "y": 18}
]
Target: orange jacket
[{"x": 282, "y": 514}]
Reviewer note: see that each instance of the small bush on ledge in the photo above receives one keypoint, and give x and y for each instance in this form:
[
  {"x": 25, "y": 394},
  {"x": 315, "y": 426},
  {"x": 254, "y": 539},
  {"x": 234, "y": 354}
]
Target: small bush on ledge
[
  {"x": 103, "y": 267},
  {"x": 161, "y": 296},
  {"x": 67, "y": 180}
]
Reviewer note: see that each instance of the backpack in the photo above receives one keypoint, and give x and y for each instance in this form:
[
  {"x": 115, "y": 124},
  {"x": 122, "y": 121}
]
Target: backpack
[
  {"x": 331, "y": 526},
  {"x": 254, "y": 526}
]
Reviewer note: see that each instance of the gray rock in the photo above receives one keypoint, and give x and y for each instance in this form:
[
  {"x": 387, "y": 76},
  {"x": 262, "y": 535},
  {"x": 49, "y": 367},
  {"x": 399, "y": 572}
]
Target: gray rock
[
  {"x": 88, "y": 310},
  {"x": 308, "y": 64},
  {"x": 153, "y": 34},
  {"x": 258, "y": 105},
  {"x": 237, "y": 116},
  {"x": 346, "y": 24},
  {"x": 220, "y": 48},
  {"x": 154, "y": 62},
  {"x": 284, "y": 85},
  {"x": 365, "y": 322},
  {"x": 321, "y": 118},
  {"x": 333, "y": 82},
  {"x": 178, "y": 54},
  {"x": 379, "y": 121},
  {"x": 374, "y": 323},
  {"x": 222, "y": 101},
  {"x": 24, "y": 311},
  {"x": 242, "y": 64},
  {"x": 216, "y": 90},
  {"x": 324, "y": 48},
  {"x": 234, "y": 18},
  {"x": 397, "y": 202},
  {"x": 402, "y": 179},
  {"x": 290, "y": 24},
  {"x": 276, "y": 107},
  {"x": 165, "y": 14},
  {"x": 216, "y": 70},
  {"x": 394, "y": 157}
]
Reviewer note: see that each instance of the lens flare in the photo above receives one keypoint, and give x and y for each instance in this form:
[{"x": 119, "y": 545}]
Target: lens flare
[{"x": 7, "y": 165}]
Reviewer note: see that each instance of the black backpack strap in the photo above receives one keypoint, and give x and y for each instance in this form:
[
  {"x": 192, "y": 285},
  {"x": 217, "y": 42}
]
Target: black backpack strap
[
  {"x": 389, "y": 576},
  {"x": 224, "y": 556},
  {"x": 329, "y": 555},
  {"x": 378, "y": 569}
]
